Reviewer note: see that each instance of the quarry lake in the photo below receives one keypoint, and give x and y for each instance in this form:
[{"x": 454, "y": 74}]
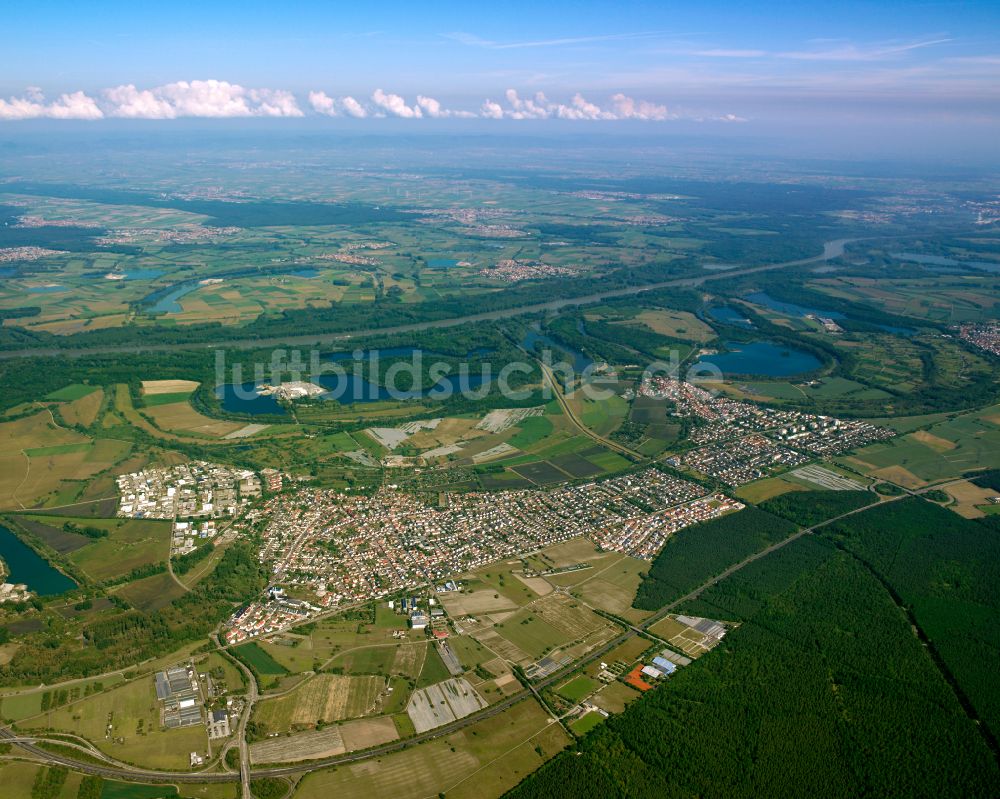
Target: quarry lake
[
  {"x": 764, "y": 358},
  {"x": 25, "y": 566}
]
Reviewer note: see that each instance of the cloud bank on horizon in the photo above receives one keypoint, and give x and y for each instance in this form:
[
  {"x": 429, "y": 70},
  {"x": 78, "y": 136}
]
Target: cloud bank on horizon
[{"x": 219, "y": 99}]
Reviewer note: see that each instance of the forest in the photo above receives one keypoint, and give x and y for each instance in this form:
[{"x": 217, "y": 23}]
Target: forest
[
  {"x": 822, "y": 690},
  {"x": 945, "y": 570},
  {"x": 807, "y": 508},
  {"x": 704, "y": 550}
]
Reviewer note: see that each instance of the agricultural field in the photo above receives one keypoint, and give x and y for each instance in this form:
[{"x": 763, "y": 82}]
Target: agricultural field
[
  {"x": 950, "y": 300},
  {"x": 484, "y": 760},
  {"x": 334, "y": 739},
  {"x": 131, "y": 543},
  {"x": 945, "y": 449},
  {"x": 136, "y": 734},
  {"x": 323, "y": 698},
  {"x": 42, "y": 461}
]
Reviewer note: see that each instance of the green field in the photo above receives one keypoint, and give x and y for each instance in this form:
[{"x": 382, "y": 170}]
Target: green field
[
  {"x": 74, "y": 391},
  {"x": 258, "y": 660},
  {"x": 577, "y": 688},
  {"x": 586, "y": 723}
]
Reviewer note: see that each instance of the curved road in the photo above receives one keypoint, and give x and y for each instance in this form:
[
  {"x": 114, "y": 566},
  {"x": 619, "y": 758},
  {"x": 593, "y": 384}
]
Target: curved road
[{"x": 831, "y": 249}]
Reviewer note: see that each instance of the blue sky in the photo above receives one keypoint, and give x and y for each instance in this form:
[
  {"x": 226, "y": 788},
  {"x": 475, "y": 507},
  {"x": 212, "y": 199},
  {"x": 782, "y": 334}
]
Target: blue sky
[{"x": 713, "y": 62}]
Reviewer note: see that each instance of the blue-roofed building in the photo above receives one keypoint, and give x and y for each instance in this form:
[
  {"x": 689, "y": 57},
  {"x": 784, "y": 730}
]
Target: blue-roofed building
[{"x": 664, "y": 665}]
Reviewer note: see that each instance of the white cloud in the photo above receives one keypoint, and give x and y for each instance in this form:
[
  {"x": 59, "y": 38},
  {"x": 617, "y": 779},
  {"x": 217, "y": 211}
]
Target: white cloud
[
  {"x": 75, "y": 105},
  {"x": 491, "y": 110},
  {"x": 322, "y": 103},
  {"x": 626, "y": 108},
  {"x": 353, "y": 108},
  {"x": 131, "y": 103},
  {"x": 274, "y": 103},
  {"x": 221, "y": 99},
  {"x": 394, "y": 105},
  {"x": 199, "y": 98},
  {"x": 579, "y": 108}
]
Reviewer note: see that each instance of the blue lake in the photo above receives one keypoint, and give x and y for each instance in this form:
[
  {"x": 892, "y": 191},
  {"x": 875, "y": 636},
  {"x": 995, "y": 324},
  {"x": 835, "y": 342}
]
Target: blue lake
[
  {"x": 7, "y": 271},
  {"x": 765, "y": 299},
  {"x": 167, "y": 301},
  {"x": 442, "y": 263},
  {"x": 724, "y": 313},
  {"x": 307, "y": 272},
  {"x": 535, "y": 336},
  {"x": 766, "y": 358},
  {"x": 347, "y": 389},
  {"x": 25, "y": 566}
]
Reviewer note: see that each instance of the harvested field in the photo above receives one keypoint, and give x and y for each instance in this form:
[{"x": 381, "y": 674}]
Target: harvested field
[
  {"x": 326, "y": 697},
  {"x": 569, "y": 553},
  {"x": 246, "y": 432},
  {"x": 180, "y": 416},
  {"x": 967, "y": 496},
  {"x": 539, "y": 585},
  {"x": 83, "y": 411},
  {"x": 409, "y": 659},
  {"x": 330, "y": 741},
  {"x": 307, "y": 745},
  {"x": 495, "y": 642},
  {"x": 443, "y": 703},
  {"x": 364, "y": 733},
  {"x": 485, "y": 760},
  {"x": 936, "y": 443},
  {"x": 168, "y": 386},
  {"x": 484, "y": 600},
  {"x": 567, "y": 615},
  {"x": 900, "y": 476},
  {"x": 499, "y": 420}
]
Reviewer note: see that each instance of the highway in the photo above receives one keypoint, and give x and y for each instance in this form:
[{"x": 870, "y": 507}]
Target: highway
[{"x": 831, "y": 249}]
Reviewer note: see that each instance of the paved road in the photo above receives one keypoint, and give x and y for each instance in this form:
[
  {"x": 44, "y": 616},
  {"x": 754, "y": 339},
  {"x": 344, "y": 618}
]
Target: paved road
[
  {"x": 613, "y": 445},
  {"x": 831, "y": 249},
  {"x": 241, "y": 731},
  {"x": 144, "y": 775}
]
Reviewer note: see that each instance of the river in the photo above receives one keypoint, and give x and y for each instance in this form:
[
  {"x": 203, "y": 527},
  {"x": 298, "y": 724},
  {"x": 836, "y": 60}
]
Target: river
[{"x": 831, "y": 249}]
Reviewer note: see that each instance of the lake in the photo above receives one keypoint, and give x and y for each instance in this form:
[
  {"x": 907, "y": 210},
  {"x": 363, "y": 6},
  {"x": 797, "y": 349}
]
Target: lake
[
  {"x": 765, "y": 358},
  {"x": 26, "y": 566},
  {"x": 442, "y": 263},
  {"x": 765, "y": 299},
  {"x": 724, "y": 313},
  {"x": 167, "y": 301},
  {"x": 536, "y": 336},
  {"x": 346, "y": 389}
]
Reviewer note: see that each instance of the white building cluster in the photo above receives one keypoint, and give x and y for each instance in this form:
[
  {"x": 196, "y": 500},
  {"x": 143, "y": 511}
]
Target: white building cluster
[{"x": 196, "y": 490}]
